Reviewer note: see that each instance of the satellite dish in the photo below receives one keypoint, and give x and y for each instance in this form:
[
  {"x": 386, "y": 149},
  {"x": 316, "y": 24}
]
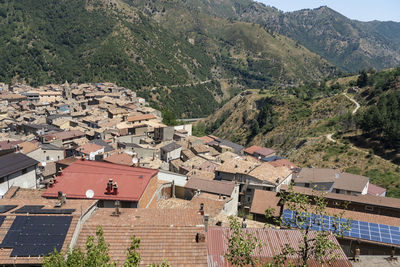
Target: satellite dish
[
  {"x": 135, "y": 160},
  {"x": 44, "y": 163},
  {"x": 89, "y": 193}
]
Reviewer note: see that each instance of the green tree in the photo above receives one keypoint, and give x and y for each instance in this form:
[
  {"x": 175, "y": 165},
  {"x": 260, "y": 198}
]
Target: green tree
[
  {"x": 132, "y": 256},
  {"x": 169, "y": 118},
  {"x": 307, "y": 212},
  {"x": 362, "y": 79},
  {"x": 241, "y": 245}
]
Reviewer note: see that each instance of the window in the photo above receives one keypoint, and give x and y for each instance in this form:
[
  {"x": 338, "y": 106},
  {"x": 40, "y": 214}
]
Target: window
[
  {"x": 2, "y": 179},
  {"x": 47, "y": 157},
  {"x": 248, "y": 190},
  {"x": 306, "y": 185},
  {"x": 338, "y": 191},
  {"x": 248, "y": 199},
  {"x": 24, "y": 171}
]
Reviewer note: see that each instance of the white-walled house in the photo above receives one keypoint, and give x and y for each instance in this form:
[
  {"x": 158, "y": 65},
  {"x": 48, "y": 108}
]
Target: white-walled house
[
  {"x": 17, "y": 169},
  {"x": 47, "y": 153}
]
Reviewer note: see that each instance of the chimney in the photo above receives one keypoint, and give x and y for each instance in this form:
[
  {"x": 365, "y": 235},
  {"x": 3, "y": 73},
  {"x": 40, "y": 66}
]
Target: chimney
[
  {"x": 200, "y": 238},
  {"x": 206, "y": 219},
  {"x": 117, "y": 212},
  {"x": 109, "y": 186},
  {"x": 201, "y": 211},
  {"x": 115, "y": 187}
]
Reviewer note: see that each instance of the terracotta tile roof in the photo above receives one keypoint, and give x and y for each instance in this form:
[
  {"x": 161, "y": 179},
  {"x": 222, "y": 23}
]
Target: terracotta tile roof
[
  {"x": 9, "y": 144},
  {"x": 141, "y": 117},
  {"x": 215, "y": 187},
  {"x": 188, "y": 153},
  {"x": 28, "y": 147},
  {"x": 120, "y": 158},
  {"x": 83, "y": 175},
  {"x": 200, "y": 148},
  {"x": 88, "y": 148},
  {"x": 263, "y": 200},
  {"x": 283, "y": 162},
  {"x": 206, "y": 139},
  {"x": 250, "y": 150},
  {"x": 264, "y": 151},
  {"x": 375, "y": 190},
  {"x": 201, "y": 174},
  {"x": 267, "y": 172},
  {"x": 237, "y": 165},
  {"x": 273, "y": 241},
  {"x": 389, "y": 202},
  {"x": 213, "y": 205},
  {"x": 164, "y": 234},
  {"x": 365, "y": 217},
  {"x": 63, "y": 135}
]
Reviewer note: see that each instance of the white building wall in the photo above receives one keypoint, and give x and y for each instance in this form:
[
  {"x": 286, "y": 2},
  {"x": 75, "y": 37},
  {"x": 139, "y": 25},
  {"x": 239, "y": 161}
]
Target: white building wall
[
  {"x": 46, "y": 155},
  {"x": 26, "y": 180},
  {"x": 178, "y": 179},
  {"x": 186, "y": 127}
]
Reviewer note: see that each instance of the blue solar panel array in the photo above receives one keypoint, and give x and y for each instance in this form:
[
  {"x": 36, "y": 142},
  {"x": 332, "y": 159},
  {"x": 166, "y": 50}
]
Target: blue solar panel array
[
  {"x": 5, "y": 208},
  {"x": 358, "y": 229},
  {"x": 36, "y": 235},
  {"x": 38, "y": 209}
]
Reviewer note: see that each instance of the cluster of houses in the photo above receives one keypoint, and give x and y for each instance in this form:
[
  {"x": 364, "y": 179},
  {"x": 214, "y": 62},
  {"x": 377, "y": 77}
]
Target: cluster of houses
[{"x": 97, "y": 155}]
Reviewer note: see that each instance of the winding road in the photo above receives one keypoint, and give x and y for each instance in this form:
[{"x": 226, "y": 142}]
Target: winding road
[{"x": 329, "y": 136}]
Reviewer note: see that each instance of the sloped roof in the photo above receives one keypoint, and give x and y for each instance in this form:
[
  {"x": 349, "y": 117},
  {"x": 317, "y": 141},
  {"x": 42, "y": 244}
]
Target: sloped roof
[
  {"x": 340, "y": 180},
  {"x": 13, "y": 162},
  {"x": 170, "y": 147},
  {"x": 267, "y": 172},
  {"x": 375, "y": 190},
  {"x": 141, "y": 117},
  {"x": 165, "y": 234},
  {"x": 211, "y": 186},
  {"x": 120, "y": 158},
  {"x": 88, "y": 148},
  {"x": 273, "y": 241},
  {"x": 367, "y": 199},
  {"x": 263, "y": 200},
  {"x": 63, "y": 135},
  {"x": 84, "y": 174}
]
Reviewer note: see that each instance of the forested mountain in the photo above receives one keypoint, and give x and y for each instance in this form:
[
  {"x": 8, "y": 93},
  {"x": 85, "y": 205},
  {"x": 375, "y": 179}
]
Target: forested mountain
[
  {"x": 319, "y": 125},
  {"x": 187, "y": 62},
  {"x": 349, "y": 44}
]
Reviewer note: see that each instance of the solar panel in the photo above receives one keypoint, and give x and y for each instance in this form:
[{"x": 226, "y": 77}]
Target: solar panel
[
  {"x": 5, "y": 208},
  {"x": 38, "y": 209},
  {"x": 36, "y": 235},
  {"x": 358, "y": 229}
]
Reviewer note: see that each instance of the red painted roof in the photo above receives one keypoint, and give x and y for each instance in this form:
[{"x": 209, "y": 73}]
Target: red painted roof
[
  {"x": 375, "y": 190},
  {"x": 81, "y": 176},
  {"x": 264, "y": 151}
]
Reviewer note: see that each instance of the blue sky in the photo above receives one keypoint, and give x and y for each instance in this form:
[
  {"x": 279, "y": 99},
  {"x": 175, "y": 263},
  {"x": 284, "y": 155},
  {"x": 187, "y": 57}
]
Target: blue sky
[{"x": 364, "y": 10}]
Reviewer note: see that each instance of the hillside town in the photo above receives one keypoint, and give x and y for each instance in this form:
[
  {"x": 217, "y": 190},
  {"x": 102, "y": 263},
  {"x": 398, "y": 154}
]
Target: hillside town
[{"x": 77, "y": 156}]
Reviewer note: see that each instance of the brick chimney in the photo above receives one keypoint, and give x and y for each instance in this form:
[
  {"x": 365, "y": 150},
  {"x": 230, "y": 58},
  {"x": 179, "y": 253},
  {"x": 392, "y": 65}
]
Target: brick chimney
[
  {"x": 115, "y": 187},
  {"x": 109, "y": 186}
]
